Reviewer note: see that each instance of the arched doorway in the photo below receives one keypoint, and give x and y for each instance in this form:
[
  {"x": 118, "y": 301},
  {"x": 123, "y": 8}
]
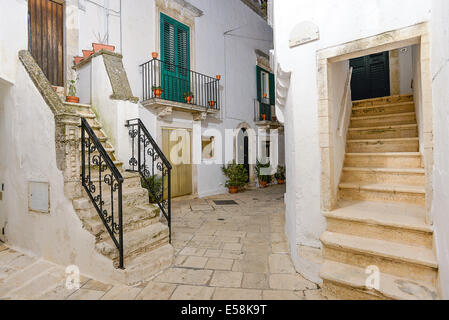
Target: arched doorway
[{"x": 243, "y": 150}]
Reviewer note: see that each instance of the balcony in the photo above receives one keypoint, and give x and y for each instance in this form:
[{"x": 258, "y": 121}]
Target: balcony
[
  {"x": 167, "y": 87},
  {"x": 265, "y": 114}
]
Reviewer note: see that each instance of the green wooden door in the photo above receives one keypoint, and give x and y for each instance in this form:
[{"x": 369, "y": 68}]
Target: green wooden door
[
  {"x": 175, "y": 56},
  {"x": 370, "y": 76}
]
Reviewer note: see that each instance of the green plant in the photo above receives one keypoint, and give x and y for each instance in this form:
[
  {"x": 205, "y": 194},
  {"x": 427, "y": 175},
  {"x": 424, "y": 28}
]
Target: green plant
[
  {"x": 157, "y": 88},
  {"x": 188, "y": 94},
  {"x": 236, "y": 174},
  {"x": 260, "y": 172},
  {"x": 280, "y": 174},
  {"x": 154, "y": 186},
  {"x": 72, "y": 88}
]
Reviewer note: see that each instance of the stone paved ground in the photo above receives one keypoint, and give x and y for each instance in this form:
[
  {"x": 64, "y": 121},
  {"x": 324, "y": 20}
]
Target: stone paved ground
[{"x": 222, "y": 252}]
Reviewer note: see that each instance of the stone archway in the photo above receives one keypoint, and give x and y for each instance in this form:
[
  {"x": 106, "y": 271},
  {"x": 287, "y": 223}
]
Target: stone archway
[{"x": 252, "y": 147}]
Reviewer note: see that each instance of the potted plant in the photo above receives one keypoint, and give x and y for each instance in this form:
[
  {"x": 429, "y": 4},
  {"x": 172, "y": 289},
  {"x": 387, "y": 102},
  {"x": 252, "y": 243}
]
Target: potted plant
[
  {"x": 280, "y": 175},
  {"x": 264, "y": 179},
  {"x": 218, "y": 77},
  {"x": 155, "y": 55},
  {"x": 236, "y": 175},
  {"x": 98, "y": 46},
  {"x": 212, "y": 103},
  {"x": 188, "y": 97},
  {"x": 72, "y": 93},
  {"x": 157, "y": 91},
  {"x": 264, "y": 117},
  {"x": 154, "y": 186}
]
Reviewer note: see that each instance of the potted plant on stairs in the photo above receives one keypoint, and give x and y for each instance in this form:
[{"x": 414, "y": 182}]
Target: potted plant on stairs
[
  {"x": 72, "y": 93},
  {"x": 262, "y": 173},
  {"x": 280, "y": 175},
  {"x": 236, "y": 175}
]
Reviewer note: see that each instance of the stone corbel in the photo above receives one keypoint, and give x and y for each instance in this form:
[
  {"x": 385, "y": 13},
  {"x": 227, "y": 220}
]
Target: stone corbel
[
  {"x": 282, "y": 87},
  {"x": 163, "y": 112},
  {"x": 200, "y": 116}
]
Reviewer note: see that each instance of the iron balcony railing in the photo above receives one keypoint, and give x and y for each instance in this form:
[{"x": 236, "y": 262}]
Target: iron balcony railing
[
  {"x": 170, "y": 82},
  {"x": 149, "y": 161},
  {"x": 263, "y": 111},
  {"x": 103, "y": 184}
]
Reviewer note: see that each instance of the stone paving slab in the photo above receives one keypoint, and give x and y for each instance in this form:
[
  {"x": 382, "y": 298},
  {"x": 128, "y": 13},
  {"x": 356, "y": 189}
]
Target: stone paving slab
[{"x": 236, "y": 252}]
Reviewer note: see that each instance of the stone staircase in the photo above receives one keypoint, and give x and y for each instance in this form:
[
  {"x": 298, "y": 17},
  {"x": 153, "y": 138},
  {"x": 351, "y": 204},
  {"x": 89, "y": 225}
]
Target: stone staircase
[
  {"x": 380, "y": 219},
  {"x": 146, "y": 237}
]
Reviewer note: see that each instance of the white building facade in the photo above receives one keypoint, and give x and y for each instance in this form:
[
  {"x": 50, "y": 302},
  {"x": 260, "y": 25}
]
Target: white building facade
[
  {"x": 316, "y": 43},
  {"x": 218, "y": 51}
]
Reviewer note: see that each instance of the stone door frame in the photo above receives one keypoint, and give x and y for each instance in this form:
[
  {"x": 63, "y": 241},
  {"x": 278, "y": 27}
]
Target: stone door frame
[{"x": 413, "y": 35}]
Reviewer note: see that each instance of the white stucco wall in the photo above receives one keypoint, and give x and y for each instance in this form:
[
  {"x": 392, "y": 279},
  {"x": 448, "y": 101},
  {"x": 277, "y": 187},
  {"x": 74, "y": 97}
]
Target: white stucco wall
[
  {"x": 338, "y": 24},
  {"x": 13, "y": 16},
  {"x": 28, "y": 154},
  {"x": 406, "y": 70},
  {"x": 232, "y": 56},
  {"x": 440, "y": 76}
]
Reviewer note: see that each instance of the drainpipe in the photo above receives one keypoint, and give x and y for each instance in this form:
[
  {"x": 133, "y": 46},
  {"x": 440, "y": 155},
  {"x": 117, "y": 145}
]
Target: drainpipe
[{"x": 106, "y": 19}]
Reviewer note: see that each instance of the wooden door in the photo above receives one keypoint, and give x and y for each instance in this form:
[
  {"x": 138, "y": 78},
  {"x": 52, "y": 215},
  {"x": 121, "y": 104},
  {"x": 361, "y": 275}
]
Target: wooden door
[
  {"x": 176, "y": 145},
  {"x": 45, "y": 38},
  {"x": 371, "y": 76}
]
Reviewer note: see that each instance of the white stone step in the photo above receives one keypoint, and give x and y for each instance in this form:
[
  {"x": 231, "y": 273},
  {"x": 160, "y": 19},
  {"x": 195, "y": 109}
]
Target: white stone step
[
  {"x": 133, "y": 218},
  {"x": 349, "y": 282},
  {"x": 415, "y": 263},
  {"x": 396, "y": 222},
  {"x": 385, "y": 160},
  {"x": 146, "y": 265},
  {"x": 383, "y": 109},
  {"x": 383, "y": 145},
  {"x": 383, "y": 120},
  {"x": 412, "y": 176},
  {"x": 136, "y": 242},
  {"x": 383, "y": 100},
  {"x": 385, "y": 132},
  {"x": 382, "y": 192}
]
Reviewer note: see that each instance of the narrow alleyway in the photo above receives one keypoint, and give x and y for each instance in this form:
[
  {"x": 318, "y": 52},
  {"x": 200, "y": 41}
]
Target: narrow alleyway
[{"x": 227, "y": 247}]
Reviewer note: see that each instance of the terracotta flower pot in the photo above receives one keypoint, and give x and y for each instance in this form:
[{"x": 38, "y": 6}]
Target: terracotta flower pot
[
  {"x": 155, "y": 55},
  {"x": 263, "y": 184},
  {"x": 233, "y": 189},
  {"x": 87, "y": 53},
  {"x": 55, "y": 88},
  {"x": 211, "y": 104},
  {"x": 72, "y": 99},
  {"x": 218, "y": 77},
  {"x": 98, "y": 46},
  {"x": 264, "y": 117},
  {"x": 281, "y": 181},
  {"x": 158, "y": 92},
  {"x": 78, "y": 59},
  {"x": 188, "y": 99}
]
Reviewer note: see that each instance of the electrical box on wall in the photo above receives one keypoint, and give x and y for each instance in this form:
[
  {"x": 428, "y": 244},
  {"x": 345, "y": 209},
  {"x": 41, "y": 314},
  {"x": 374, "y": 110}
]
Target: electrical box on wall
[{"x": 39, "y": 197}]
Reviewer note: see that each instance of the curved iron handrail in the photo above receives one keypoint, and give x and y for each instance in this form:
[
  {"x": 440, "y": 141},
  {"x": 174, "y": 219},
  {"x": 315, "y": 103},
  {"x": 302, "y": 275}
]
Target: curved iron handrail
[
  {"x": 94, "y": 188},
  {"x": 152, "y": 165}
]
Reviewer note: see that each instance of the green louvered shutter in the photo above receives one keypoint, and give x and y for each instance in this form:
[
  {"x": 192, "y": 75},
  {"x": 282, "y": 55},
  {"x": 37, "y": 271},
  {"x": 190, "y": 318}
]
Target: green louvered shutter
[
  {"x": 175, "y": 53},
  {"x": 272, "y": 90},
  {"x": 259, "y": 83}
]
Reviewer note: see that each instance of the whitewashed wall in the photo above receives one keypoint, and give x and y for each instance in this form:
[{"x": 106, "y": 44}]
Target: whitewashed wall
[
  {"x": 338, "y": 24},
  {"x": 440, "y": 76},
  {"x": 232, "y": 56}
]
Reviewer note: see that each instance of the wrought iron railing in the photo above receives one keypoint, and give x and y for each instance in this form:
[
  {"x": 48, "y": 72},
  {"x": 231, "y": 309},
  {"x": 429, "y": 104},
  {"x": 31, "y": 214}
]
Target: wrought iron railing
[
  {"x": 263, "y": 111},
  {"x": 167, "y": 81},
  {"x": 103, "y": 184},
  {"x": 150, "y": 162}
]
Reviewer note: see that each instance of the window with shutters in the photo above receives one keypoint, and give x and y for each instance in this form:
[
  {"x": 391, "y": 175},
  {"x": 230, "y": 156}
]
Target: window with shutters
[
  {"x": 175, "y": 56},
  {"x": 265, "y": 93}
]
